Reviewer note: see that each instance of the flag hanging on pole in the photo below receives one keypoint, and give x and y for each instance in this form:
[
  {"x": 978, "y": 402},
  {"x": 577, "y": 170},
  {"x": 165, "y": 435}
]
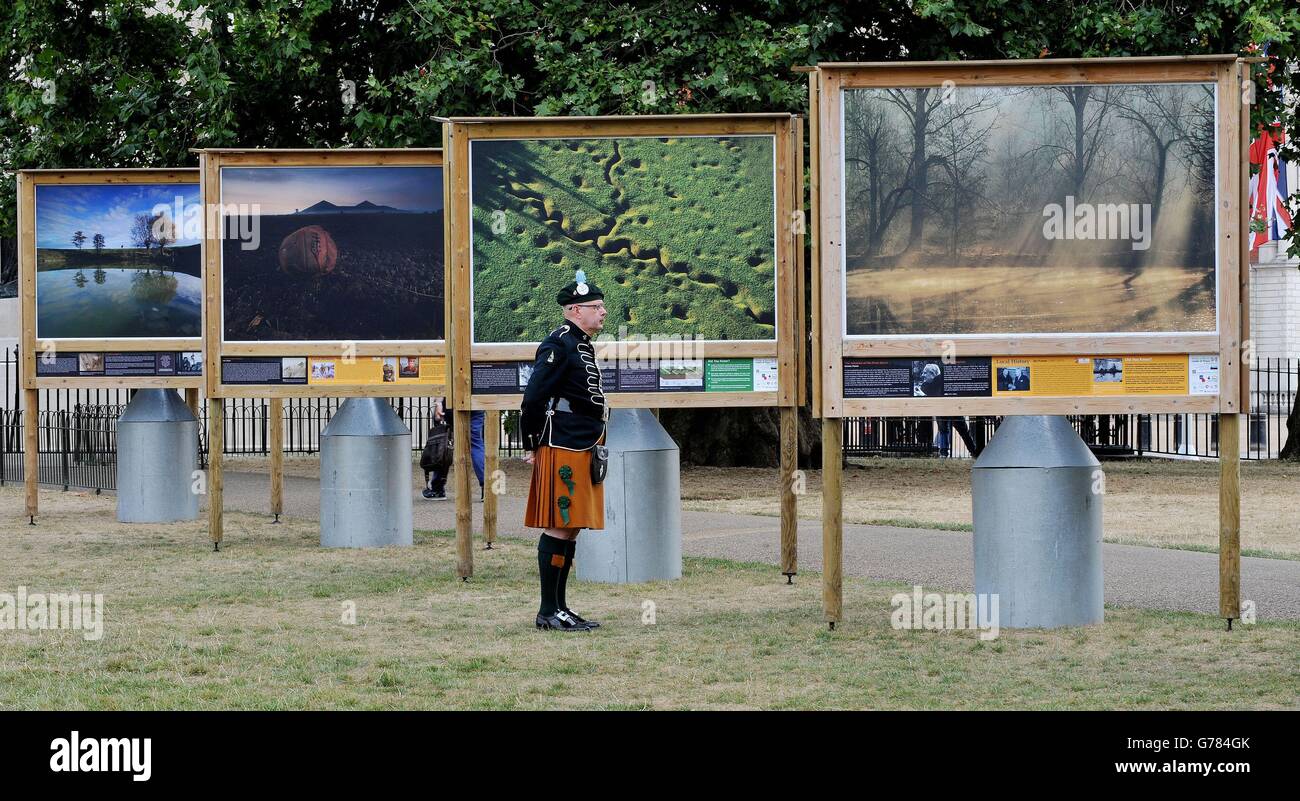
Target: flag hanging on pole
[{"x": 1268, "y": 189}]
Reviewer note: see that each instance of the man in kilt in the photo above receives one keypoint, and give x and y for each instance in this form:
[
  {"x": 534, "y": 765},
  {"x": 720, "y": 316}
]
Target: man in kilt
[{"x": 563, "y": 416}]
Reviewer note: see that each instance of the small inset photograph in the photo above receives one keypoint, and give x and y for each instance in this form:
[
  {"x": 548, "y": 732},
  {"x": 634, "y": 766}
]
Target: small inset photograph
[
  {"x": 525, "y": 373},
  {"x": 1107, "y": 371},
  {"x": 90, "y": 362},
  {"x": 293, "y": 368},
  {"x": 927, "y": 379},
  {"x": 410, "y": 367},
  {"x": 322, "y": 371},
  {"x": 681, "y": 373},
  {"x": 390, "y": 370},
  {"x": 1013, "y": 379},
  {"x": 192, "y": 362}
]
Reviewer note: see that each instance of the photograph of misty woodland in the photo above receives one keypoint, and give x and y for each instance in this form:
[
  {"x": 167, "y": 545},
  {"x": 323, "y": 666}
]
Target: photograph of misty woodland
[{"x": 1030, "y": 209}]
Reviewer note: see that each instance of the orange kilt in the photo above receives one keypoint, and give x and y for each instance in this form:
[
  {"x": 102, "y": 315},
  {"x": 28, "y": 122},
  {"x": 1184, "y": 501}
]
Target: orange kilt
[{"x": 560, "y": 498}]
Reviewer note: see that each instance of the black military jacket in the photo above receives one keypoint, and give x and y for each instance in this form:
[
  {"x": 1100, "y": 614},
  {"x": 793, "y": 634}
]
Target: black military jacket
[{"x": 564, "y": 404}]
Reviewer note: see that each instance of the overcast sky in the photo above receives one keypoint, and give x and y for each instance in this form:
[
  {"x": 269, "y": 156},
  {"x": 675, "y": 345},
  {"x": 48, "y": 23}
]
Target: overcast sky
[{"x": 284, "y": 190}]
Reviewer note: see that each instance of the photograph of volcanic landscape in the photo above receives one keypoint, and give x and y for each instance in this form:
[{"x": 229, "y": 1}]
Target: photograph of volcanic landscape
[{"x": 343, "y": 254}]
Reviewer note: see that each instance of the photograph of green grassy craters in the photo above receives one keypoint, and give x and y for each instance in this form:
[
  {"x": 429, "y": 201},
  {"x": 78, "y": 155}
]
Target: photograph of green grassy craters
[{"x": 679, "y": 233}]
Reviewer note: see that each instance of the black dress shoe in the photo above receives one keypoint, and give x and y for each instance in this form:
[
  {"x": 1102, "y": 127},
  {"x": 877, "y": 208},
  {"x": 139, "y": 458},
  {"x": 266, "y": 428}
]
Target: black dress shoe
[
  {"x": 561, "y": 621},
  {"x": 593, "y": 624}
]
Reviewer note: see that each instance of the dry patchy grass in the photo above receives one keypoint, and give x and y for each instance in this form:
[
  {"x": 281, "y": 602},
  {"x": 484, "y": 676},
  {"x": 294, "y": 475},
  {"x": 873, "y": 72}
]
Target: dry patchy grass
[{"x": 259, "y": 626}]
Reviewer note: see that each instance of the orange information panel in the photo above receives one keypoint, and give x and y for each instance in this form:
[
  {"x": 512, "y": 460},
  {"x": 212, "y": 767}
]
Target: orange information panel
[
  {"x": 1100, "y": 376},
  {"x": 368, "y": 370}
]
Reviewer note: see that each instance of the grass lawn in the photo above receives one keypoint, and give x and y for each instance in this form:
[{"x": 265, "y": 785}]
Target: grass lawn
[{"x": 259, "y": 626}]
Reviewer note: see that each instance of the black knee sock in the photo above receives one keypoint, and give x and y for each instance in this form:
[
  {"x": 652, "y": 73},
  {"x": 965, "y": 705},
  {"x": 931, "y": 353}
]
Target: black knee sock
[
  {"x": 570, "y": 548},
  {"x": 551, "y": 561}
]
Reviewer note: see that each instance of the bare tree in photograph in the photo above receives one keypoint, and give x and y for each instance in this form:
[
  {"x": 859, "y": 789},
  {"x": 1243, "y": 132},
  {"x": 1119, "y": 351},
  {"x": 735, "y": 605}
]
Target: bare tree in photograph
[
  {"x": 1082, "y": 146},
  {"x": 1015, "y": 169},
  {"x": 78, "y": 239},
  {"x": 142, "y": 235},
  {"x": 880, "y": 133},
  {"x": 98, "y": 242},
  {"x": 918, "y": 106},
  {"x": 1200, "y": 141},
  {"x": 877, "y": 189},
  {"x": 960, "y": 143},
  {"x": 1164, "y": 117}
]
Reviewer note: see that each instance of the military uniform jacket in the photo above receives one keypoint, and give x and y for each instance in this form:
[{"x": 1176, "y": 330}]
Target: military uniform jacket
[{"x": 564, "y": 403}]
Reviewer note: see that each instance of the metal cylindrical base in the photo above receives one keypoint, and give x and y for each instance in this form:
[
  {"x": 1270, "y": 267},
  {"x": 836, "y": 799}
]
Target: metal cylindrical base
[
  {"x": 157, "y": 456},
  {"x": 1037, "y": 493},
  {"x": 642, "y": 538},
  {"x": 365, "y": 487}
]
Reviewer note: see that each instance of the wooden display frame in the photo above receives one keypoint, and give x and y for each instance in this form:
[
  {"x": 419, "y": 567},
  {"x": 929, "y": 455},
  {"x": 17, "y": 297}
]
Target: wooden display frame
[
  {"x": 833, "y": 345},
  {"x": 210, "y": 163},
  {"x": 785, "y": 348},
  {"x": 28, "y": 180}
]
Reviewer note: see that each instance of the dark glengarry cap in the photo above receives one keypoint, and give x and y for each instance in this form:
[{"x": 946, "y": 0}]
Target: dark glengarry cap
[{"x": 579, "y": 291}]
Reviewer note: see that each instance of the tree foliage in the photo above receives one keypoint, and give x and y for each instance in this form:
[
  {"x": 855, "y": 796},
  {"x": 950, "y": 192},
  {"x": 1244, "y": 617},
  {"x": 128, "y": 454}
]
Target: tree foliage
[
  {"x": 100, "y": 83},
  {"x": 121, "y": 83}
]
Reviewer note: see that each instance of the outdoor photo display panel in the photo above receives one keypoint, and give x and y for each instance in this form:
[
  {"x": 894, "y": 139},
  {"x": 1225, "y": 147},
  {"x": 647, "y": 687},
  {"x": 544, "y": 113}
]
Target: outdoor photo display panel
[
  {"x": 111, "y": 277},
  {"x": 686, "y": 223},
  {"x": 329, "y": 272},
  {"x": 975, "y": 216}
]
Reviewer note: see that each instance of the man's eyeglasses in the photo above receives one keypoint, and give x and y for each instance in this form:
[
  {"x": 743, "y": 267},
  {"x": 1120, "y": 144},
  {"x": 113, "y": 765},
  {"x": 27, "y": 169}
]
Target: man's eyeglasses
[{"x": 600, "y": 306}]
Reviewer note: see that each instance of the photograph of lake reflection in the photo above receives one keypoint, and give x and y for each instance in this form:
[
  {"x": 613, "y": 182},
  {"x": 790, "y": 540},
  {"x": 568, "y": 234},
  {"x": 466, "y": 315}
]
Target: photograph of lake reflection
[{"x": 116, "y": 261}]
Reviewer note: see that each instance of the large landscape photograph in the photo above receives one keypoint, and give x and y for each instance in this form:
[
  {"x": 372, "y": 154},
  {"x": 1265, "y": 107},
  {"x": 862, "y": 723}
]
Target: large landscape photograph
[
  {"x": 114, "y": 262},
  {"x": 1017, "y": 210},
  {"x": 341, "y": 253},
  {"x": 679, "y": 233}
]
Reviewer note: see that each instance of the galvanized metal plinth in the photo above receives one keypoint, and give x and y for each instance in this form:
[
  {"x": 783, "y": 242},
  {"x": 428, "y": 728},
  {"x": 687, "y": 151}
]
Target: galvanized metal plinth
[
  {"x": 642, "y": 538},
  {"x": 157, "y": 456},
  {"x": 1037, "y": 493},
  {"x": 365, "y": 477}
]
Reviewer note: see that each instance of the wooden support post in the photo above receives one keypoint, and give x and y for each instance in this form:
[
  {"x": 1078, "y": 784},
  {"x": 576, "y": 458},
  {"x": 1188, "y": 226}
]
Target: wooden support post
[
  {"x": 192, "y": 401},
  {"x": 491, "y": 445},
  {"x": 275, "y": 413},
  {"x": 1229, "y": 517},
  {"x": 31, "y": 452},
  {"x": 464, "y": 470},
  {"x": 789, "y": 507},
  {"x": 832, "y": 519},
  {"x": 216, "y": 444}
]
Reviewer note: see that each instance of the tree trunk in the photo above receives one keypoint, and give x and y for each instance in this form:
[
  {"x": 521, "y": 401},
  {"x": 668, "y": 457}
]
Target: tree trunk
[
  {"x": 1080, "y": 101},
  {"x": 920, "y": 171},
  {"x": 1291, "y": 450}
]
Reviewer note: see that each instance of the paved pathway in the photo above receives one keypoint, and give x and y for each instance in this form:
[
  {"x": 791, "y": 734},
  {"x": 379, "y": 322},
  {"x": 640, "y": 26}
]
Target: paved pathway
[{"x": 1135, "y": 576}]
